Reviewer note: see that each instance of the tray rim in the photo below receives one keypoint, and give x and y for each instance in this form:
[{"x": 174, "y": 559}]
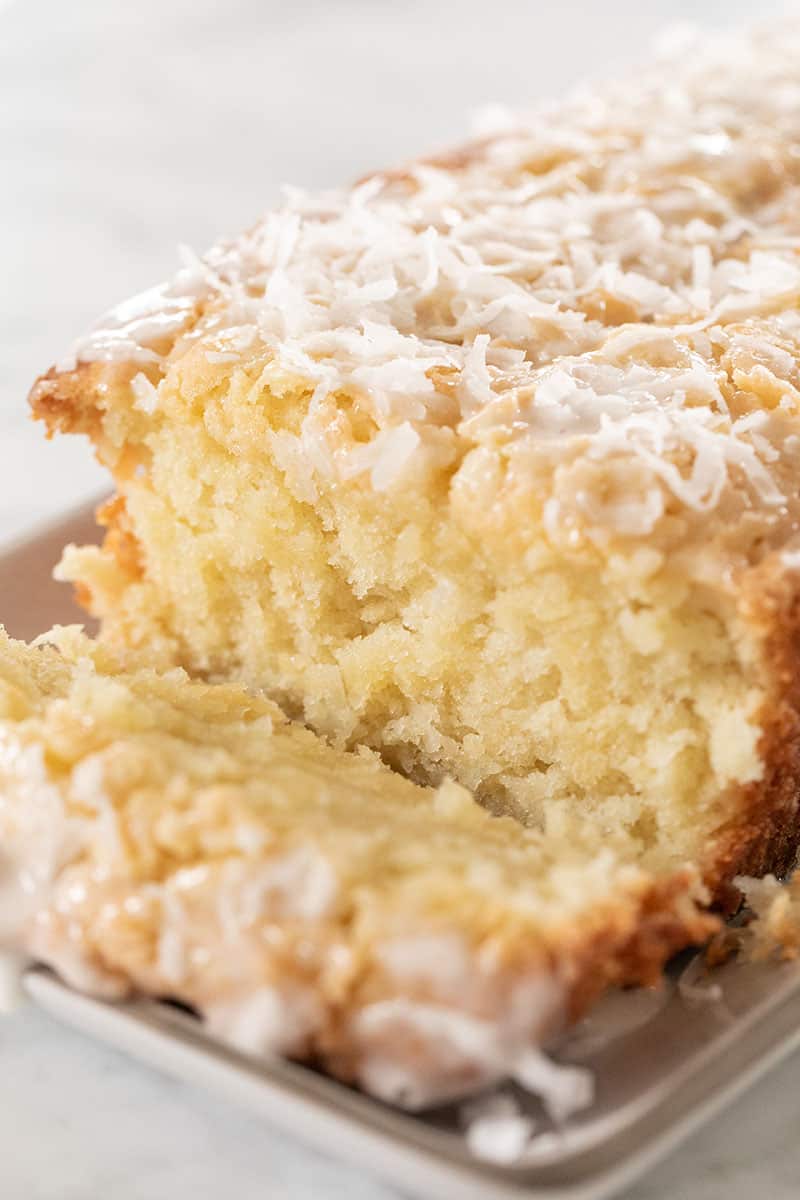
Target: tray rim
[{"x": 282, "y": 1093}]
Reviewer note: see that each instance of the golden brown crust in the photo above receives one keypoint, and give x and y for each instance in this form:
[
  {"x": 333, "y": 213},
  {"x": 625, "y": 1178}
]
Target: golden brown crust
[
  {"x": 67, "y": 400},
  {"x": 664, "y": 924},
  {"x": 765, "y": 835},
  {"x": 71, "y": 399},
  {"x": 120, "y": 540},
  {"x": 630, "y": 946}
]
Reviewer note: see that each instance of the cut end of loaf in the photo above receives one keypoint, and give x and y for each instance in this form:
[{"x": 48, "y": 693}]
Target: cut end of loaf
[{"x": 606, "y": 687}]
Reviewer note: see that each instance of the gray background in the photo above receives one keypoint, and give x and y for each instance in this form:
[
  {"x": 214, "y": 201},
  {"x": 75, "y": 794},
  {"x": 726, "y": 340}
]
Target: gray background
[{"x": 126, "y": 128}]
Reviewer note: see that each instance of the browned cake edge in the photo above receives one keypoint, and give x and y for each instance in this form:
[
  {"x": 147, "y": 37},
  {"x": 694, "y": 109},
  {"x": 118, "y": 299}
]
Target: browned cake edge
[{"x": 763, "y": 834}]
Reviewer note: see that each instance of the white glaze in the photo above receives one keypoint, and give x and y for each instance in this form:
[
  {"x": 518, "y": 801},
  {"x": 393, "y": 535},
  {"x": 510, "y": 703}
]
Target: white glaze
[{"x": 417, "y": 1054}]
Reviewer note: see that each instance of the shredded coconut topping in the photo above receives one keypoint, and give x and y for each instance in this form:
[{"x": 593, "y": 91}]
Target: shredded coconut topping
[
  {"x": 497, "y": 1130},
  {"x": 146, "y": 394},
  {"x": 614, "y": 280}
]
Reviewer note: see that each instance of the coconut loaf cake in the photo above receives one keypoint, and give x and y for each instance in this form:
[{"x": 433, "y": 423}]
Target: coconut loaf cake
[
  {"x": 184, "y": 839},
  {"x": 490, "y": 463}
]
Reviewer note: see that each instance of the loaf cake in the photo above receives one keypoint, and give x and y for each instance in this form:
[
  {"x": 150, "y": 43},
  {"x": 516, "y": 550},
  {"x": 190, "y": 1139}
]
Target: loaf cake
[
  {"x": 490, "y": 463},
  {"x": 184, "y": 839}
]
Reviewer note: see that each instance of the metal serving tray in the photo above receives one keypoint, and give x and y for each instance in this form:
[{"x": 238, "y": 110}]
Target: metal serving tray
[{"x": 661, "y": 1066}]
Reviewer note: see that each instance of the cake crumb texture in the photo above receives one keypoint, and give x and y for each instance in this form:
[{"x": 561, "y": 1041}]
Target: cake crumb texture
[{"x": 490, "y": 462}]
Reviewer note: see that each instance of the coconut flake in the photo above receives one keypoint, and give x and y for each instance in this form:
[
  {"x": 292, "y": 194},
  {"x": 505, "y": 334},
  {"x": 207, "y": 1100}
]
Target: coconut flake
[
  {"x": 564, "y": 1089},
  {"x": 476, "y": 385},
  {"x": 385, "y": 457},
  {"x": 146, "y": 395},
  {"x": 461, "y": 1046},
  {"x": 267, "y": 1020},
  {"x": 497, "y": 1130}
]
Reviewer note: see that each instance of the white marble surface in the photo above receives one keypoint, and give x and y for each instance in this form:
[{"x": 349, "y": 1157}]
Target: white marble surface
[{"x": 124, "y": 129}]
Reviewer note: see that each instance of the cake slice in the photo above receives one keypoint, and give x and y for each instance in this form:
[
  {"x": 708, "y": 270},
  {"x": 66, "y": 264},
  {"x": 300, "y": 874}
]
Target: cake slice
[
  {"x": 185, "y": 840},
  {"x": 491, "y": 463}
]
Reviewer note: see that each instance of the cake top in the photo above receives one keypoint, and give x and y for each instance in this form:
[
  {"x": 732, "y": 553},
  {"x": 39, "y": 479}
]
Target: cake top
[{"x": 613, "y": 280}]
